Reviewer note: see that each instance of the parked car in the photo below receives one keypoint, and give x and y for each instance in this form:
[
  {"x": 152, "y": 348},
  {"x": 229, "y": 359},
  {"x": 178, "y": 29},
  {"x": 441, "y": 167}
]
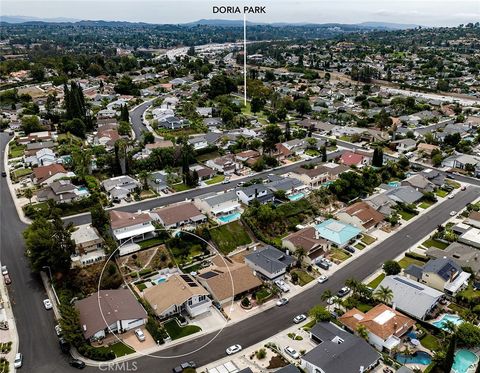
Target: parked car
[
  {"x": 463, "y": 188},
  {"x": 322, "y": 279},
  {"x": 350, "y": 249},
  {"x": 282, "y": 302},
  {"x": 451, "y": 196},
  {"x": 282, "y": 286},
  {"x": 233, "y": 349},
  {"x": 183, "y": 366},
  {"x": 58, "y": 330},
  {"x": 4, "y": 174},
  {"x": 450, "y": 177},
  {"x": 48, "y": 304},
  {"x": 18, "y": 360},
  {"x": 139, "y": 334},
  {"x": 64, "y": 345},
  {"x": 343, "y": 291},
  {"x": 299, "y": 318},
  {"x": 4, "y": 270},
  {"x": 7, "y": 279},
  {"x": 323, "y": 265},
  {"x": 331, "y": 300},
  {"x": 453, "y": 213},
  {"x": 291, "y": 352},
  {"x": 226, "y": 180},
  {"x": 79, "y": 364}
]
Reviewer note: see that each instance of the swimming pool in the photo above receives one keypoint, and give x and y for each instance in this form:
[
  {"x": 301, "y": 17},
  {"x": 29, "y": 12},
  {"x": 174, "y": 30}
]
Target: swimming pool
[
  {"x": 418, "y": 357},
  {"x": 394, "y": 184},
  {"x": 464, "y": 359},
  {"x": 296, "y": 197},
  {"x": 457, "y": 320},
  {"x": 159, "y": 280},
  {"x": 229, "y": 218}
]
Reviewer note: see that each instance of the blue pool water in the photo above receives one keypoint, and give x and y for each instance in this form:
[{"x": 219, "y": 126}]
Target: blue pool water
[
  {"x": 296, "y": 197},
  {"x": 394, "y": 184},
  {"x": 159, "y": 280},
  {"x": 412, "y": 335},
  {"x": 419, "y": 357},
  {"x": 463, "y": 360},
  {"x": 229, "y": 218},
  {"x": 457, "y": 320}
]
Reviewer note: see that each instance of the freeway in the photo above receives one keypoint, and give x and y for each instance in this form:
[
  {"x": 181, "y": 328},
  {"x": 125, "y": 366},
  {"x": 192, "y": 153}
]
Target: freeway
[{"x": 38, "y": 342}]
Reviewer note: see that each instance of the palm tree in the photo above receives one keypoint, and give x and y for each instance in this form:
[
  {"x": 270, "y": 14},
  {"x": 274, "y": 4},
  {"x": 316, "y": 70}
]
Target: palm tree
[
  {"x": 449, "y": 326},
  {"x": 299, "y": 254},
  {"x": 384, "y": 294},
  {"x": 353, "y": 284},
  {"x": 143, "y": 176},
  {"x": 362, "y": 331},
  {"x": 338, "y": 303},
  {"x": 28, "y": 193},
  {"x": 327, "y": 294}
]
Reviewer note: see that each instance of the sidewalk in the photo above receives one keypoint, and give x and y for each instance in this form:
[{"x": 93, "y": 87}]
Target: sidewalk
[{"x": 10, "y": 335}]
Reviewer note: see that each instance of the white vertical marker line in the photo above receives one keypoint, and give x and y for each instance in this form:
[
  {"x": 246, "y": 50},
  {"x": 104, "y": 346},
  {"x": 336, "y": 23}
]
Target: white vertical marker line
[{"x": 244, "y": 59}]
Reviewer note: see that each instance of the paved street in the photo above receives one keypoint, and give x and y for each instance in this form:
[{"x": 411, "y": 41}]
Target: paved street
[
  {"x": 35, "y": 325},
  {"x": 137, "y": 119}
]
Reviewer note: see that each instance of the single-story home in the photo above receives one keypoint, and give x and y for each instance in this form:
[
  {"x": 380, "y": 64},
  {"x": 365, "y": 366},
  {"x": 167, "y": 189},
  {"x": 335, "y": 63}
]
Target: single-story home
[{"x": 269, "y": 262}]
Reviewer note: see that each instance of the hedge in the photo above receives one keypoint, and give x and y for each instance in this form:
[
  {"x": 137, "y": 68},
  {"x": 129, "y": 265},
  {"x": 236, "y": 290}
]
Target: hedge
[{"x": 95, "y": 353}]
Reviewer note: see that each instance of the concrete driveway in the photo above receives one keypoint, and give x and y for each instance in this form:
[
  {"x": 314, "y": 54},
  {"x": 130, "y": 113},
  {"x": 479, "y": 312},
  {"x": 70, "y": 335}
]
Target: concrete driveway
[{"x": 131, "y": 339}]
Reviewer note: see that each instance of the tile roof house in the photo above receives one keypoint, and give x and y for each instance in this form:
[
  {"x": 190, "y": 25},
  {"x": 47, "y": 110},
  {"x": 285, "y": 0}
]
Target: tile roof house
[
  {"x": 225, "y": 164},
  {"x": 473, "y": 219},
  {"x": 178, "y": 215},
  {"x": 411, "y": 297},
  {"x": 442, "y": 274},
  {"x": 45, "y": 175},
  {"x": 337, "y": 232},
  {"x": 384, "y": 325},
  {"x": 319, "y": 175},
  {"x": 178, "y": 293},
  {"x": 309, "y": 240},
  {"x": 88, "y": 246},
  {"x": 246, "y": 155},
  {"x": 227, "y": 280},
  {"x": 130, "y": 226},
  {"x": 119, "y": 308},
  {"x": 427, "y": 149},
  {"x": 349, "y": 158},
  {"x": 269, "y": 262},
  {"x": 361, "y": 215},
  {"x": 338, "y": 351}
]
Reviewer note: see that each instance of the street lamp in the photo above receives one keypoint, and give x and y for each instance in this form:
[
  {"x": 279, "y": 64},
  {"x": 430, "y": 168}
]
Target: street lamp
[{"x": 51, "y": 282}]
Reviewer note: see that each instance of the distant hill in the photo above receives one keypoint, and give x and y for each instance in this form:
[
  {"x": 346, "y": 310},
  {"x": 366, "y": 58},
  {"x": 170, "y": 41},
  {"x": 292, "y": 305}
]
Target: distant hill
[
  {"x": 389, "y": 26},
  {"x": 25, "y": 19}
]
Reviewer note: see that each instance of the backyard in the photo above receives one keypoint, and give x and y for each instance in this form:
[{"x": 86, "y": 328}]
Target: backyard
[
  {"x": 16, "y": 150},
  {"x": 176, "y": 331},
  {"x": 229, "y": 236}
]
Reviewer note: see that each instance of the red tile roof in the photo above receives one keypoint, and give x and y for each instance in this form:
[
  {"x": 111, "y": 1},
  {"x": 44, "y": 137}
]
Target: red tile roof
[
  {"x": 44, "y": 172},
  {"x": 350, "y": 158}
]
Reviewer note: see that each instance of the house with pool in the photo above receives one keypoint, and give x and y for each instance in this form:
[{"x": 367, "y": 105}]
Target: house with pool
[
  {"x": 294, "y": 189},
  {"x": 385, "y": 326},
  {"x": 337, "y": 232},
  {"x": 224, "y": 206},
  {"x": 184, "y": 214},
  {"x": 442, "y": 274}
]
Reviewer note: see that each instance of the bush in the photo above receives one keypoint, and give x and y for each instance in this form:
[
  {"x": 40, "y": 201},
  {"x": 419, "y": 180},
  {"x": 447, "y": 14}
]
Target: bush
[
  {"x": 155, "y": 329},
  {"x": 416, "y": 256},
  {"x": 97, "y": 354},
  {"x": 391, "y": 267},
  {"x": 261, "y": 354}
]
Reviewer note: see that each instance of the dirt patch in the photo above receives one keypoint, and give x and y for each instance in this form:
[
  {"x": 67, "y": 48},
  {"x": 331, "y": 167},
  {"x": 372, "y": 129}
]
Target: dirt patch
[{"x": 154, "y": 258}]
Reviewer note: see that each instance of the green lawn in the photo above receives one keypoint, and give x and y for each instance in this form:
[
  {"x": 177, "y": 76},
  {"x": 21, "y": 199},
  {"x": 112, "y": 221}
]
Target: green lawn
[
  {"x": 471, "y": 294},
  {"x": 425, "y": 205},
  {"x": 176, "y": 331},
  {"x": 430, "y": 342},
  {"x": 146, "y": 244},
  {"x": 364, "y": 307},
  {"x": 207, "y": 156},
  {"x": 435, "y": 243},
  {"x": 312, "y": 152},
  {"x": 262, "y": 295},
  {"x": 453, "y": 183},
  {"x": 406, "y": 261},
  {"x": 405, "y": 215},
  {"x": 339, "y": 254},
  {"x": 441, "y": 193},
  {"x": 359, "y": 246},
  {"x": 229, "y": 236},
  {"x": 180, "y": 187},
  {"x": 367, "y": 240},
  {"x": 16, "y": 150},
  {"x": 303, "y": 277},
  {"x": 119, "y": 349},
  {"x": 22, "y": 172},
  {"x": 376, "y": 281},
  {"x": 216, "y": 179}
]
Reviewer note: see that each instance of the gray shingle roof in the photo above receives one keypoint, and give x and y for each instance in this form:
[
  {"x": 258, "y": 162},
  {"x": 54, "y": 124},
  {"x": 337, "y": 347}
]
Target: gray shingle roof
[
  {"x": 405, "y": 194},
  {"x": 270, "y": 259},
  {"x": 442, "y": 267}
]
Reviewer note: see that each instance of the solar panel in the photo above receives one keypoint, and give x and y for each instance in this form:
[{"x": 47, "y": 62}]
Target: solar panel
[{"x": 208, "y": 275}]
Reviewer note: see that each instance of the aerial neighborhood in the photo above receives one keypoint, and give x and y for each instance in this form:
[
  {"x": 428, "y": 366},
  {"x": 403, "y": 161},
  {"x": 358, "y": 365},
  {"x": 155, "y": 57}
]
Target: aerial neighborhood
[{"x": 326, "y": 220}]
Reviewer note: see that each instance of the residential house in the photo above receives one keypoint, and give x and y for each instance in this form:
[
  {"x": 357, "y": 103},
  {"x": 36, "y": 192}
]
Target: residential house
[
  {"x": 308, "y": 240},
  {"x": 109, "y": 311},
  {"x": 107, "y": 136},
  {"x": 203, "y": 172},
  {"x": 337, "y": 232},
  {"x": 419, "y": 183},
  {"x": 281, "y": 152},
  {"x": 294, "y": 189},
  {"x": 435, "y": 177},
  {"x": 158, "y": 144},
  {"x": 227, "y": 280},
  {"x": 173, "y": 122},
  {"x": 350, "y": 158},
  {"x": 381, "y": 203},
  {"x": 269, "y": 262},
  {"x": 128, "y": 226},
  {"x": 427, "y": 149},
  {"x": 384, "y": 325},
  {"x": 198, "y": 142},
  {"x": 338, "y": 351},
  {"x": 180, "y": 292},
  {"x": 468, "y": 162},
  {"x": 473, "y": 219},
  {"x": 442, "y": 274},
  {"x": 404, "y": 145},
  {"x": 256, "y": 191},
  {"x": 213, "y": 123},
  {"x": 157, "y": 181},
  {"x": 88, "y": 246},
  {"x": 404, "y": 194},
  {"x": 204, "y": 112},
  {"x": 43, "y": 157},
  {"x": 295, "y": 146},
  {"x": 464, "y": 255},
  {"x": 217, "y": 205},
  {"x": 62, "y": 191},
  {"x": 413, "y": 298},
  {"x": 120, "y": 187},
  {"x": 42, "y": 136},
  {"x": 225, "y": 164},
  {"x": 471, "y": 237},
  {"x": 45, "y": 175},
  {"x": 247, "y": 155},
  {"x": 318, "y": 176},
  {"x": 179, "y": 215},
  {"x": 361, "y": 215}
]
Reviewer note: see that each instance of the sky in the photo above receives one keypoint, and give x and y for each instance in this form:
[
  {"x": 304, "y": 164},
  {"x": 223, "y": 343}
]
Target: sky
[{"x": 420, "y": 12}]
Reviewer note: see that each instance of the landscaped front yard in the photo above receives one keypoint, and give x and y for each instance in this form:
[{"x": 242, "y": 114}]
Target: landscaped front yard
[
  {"x": 405, "y": 215},
  {"x": 441, "y": 193},
  {"x": 367, "y": 240},
  {"x": 376, "y": 281},
  {"x": 339, "y": 255},
  {"x": 435, "y": 243},
  {"x": 176, "y": 331},
  {"x": 180, "y": 187},
  {"x": 425, "y": 205},
  {"x": 16, "y": 150},
  {"x": 21, "y": 172},
  {"x": 303, "y": 277},
  {"x": 119, "y": 349},
  {"x": 406, "y": 261},
  {"x": 215, "y": 180},
  {"x": 229, "y": 236}
]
